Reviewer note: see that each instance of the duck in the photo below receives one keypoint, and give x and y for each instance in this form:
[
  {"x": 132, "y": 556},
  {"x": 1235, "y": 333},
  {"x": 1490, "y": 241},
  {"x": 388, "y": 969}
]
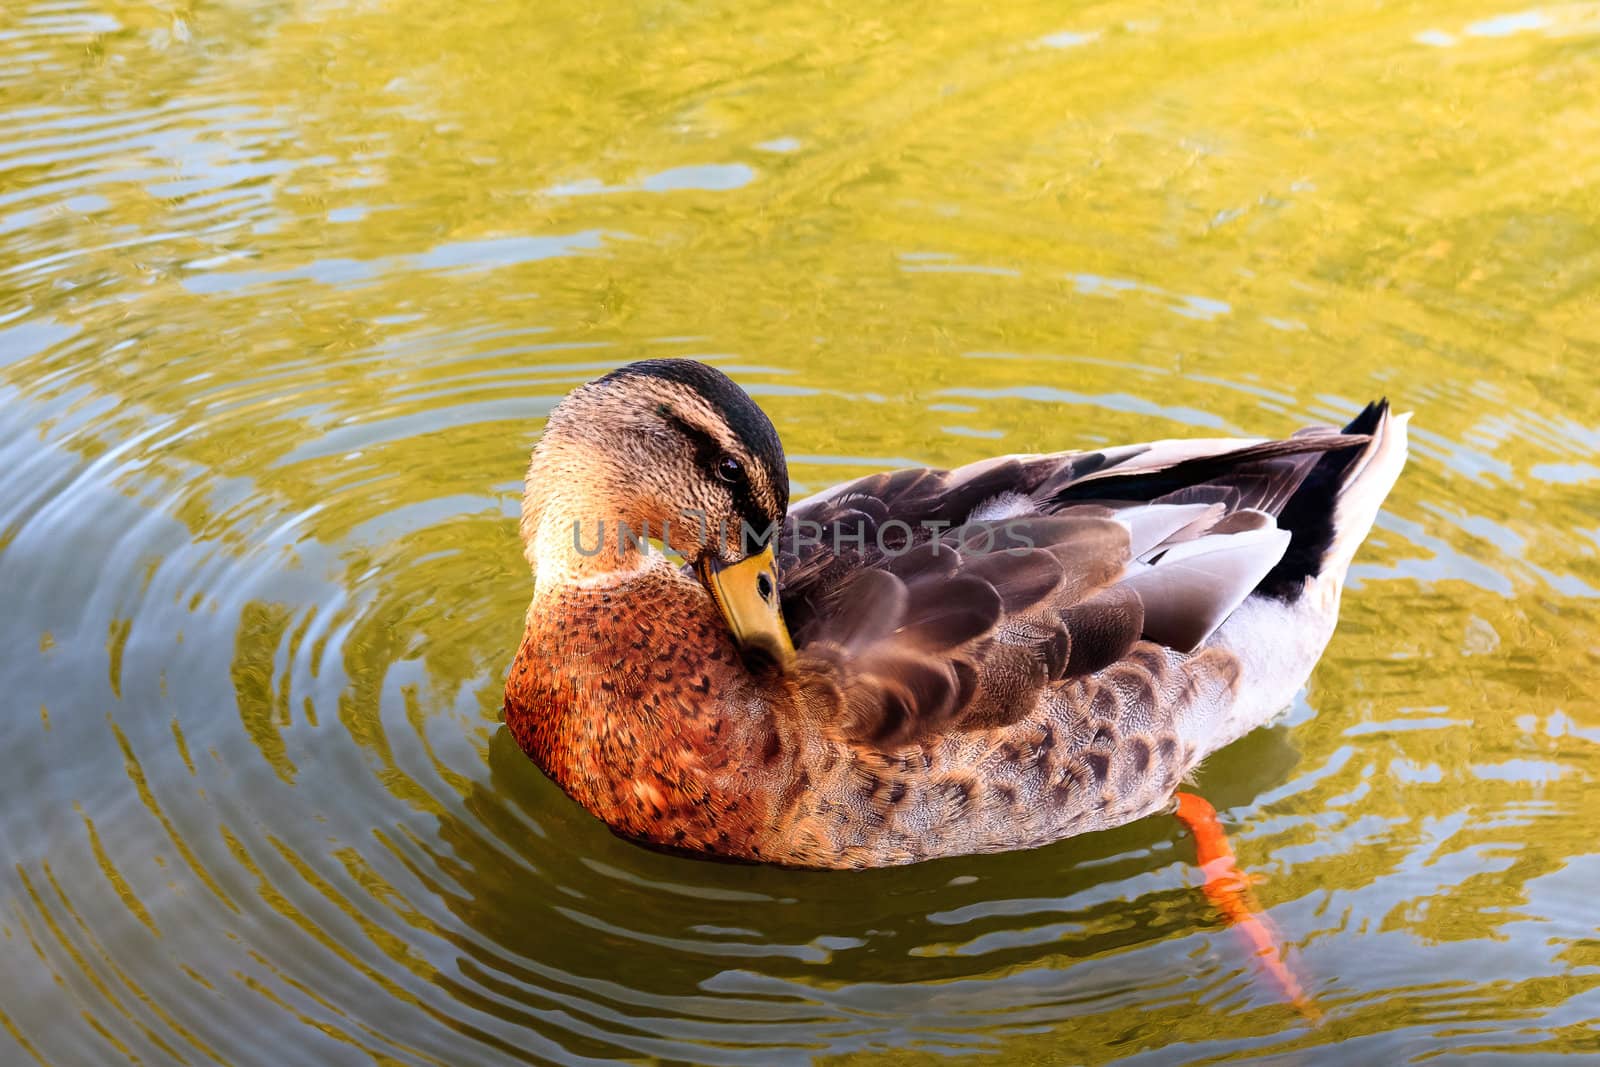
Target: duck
[{"x": 919, "y": 663}]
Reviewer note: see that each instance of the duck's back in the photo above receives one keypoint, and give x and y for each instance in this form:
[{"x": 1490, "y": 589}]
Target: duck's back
[{"x": 1038, "y": 646}]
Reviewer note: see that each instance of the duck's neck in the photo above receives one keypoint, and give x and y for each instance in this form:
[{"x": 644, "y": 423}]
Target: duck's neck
[{"x": 573, "y": 529}]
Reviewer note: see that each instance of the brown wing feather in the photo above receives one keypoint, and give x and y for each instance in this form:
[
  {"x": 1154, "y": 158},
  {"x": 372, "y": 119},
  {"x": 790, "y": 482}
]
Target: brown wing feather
[
  {"x": 911, "y": 620},
  {"x": 947, "y": 636}
]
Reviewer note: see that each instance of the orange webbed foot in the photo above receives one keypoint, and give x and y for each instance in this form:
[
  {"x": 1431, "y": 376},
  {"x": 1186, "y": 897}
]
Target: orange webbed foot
[{"x": 1229, "y": 889}]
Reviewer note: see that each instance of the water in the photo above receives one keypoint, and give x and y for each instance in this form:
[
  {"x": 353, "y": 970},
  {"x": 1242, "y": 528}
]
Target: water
[{"x": 286, "y": 290}]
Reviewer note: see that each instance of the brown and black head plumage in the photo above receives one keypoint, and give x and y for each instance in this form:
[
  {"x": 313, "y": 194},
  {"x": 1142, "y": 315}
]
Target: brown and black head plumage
[
  {"x": 667, "y": 446},
  {"x": 721, "y": 424}
]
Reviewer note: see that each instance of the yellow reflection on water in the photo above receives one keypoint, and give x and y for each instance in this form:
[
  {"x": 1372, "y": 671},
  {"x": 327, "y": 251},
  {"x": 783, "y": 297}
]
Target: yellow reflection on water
[{"x": 286, "y": 290}]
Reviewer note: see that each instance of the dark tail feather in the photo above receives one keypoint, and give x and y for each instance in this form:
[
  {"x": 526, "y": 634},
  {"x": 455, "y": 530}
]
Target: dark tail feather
[
  {"x": 1261, "y": 476},
  {"x": 1310, "y": 513},
  {"x": 1367, "y": 422}
]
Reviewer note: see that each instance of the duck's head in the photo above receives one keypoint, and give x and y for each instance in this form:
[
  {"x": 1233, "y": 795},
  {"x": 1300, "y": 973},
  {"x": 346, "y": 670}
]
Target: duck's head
[{"x": 669, "y": 450}]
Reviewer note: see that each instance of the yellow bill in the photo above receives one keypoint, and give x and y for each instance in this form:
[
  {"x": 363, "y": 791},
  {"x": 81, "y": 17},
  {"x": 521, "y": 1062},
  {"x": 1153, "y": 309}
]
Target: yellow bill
[{"x": 747, "y": 594}]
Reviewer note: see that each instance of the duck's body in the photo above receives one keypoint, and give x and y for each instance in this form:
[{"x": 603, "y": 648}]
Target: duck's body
[{"x": 1103, "y": 622}]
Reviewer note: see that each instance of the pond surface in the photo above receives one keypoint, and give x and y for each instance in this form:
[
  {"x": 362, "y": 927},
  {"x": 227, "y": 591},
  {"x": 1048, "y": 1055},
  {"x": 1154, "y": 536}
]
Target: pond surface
[{"x": 286, "y": 289}]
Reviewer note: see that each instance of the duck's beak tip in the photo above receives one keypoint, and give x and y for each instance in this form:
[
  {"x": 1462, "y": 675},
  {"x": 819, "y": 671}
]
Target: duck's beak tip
[{"x": 746, "y": 592}]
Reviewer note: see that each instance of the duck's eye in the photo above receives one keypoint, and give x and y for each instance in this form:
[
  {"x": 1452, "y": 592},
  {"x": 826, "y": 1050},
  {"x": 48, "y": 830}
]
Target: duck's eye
[{"x": 729, "y": 469}]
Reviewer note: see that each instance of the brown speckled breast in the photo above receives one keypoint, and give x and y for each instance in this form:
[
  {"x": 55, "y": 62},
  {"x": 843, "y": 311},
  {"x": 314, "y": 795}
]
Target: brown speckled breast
[{"x": 635, "y": 702}]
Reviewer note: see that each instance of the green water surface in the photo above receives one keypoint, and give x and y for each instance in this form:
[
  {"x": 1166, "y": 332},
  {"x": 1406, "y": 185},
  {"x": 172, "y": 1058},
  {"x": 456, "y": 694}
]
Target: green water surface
[{"x": 288, "y": 286}]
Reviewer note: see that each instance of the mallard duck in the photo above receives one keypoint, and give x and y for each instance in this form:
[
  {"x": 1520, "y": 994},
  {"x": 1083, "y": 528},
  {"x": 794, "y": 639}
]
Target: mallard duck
[{"x": 920, "y": 663}]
